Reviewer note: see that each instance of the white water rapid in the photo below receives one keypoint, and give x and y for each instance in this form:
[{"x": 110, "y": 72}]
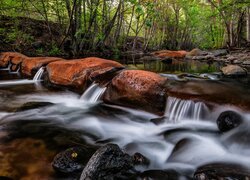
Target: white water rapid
[{"x": 178, "y": 109}]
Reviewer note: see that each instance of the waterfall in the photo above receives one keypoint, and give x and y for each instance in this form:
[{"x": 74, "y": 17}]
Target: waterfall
[
  {"x": 178, "y": 109},
  {"x": 93, "y": 93},
  {"x": 7, "y": 68},
  {"x": 39, "y": 74}
]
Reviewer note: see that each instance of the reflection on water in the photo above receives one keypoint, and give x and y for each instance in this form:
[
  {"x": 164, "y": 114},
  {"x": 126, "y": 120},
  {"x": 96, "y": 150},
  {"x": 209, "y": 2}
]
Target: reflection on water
[{"x": 179, "y": 66}]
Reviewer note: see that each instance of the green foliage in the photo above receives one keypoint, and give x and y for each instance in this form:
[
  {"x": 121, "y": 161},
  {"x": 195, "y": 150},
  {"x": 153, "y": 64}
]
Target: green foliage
[
  {"x": 172, "y": 24},
  {"x": 54, "y": 50}
]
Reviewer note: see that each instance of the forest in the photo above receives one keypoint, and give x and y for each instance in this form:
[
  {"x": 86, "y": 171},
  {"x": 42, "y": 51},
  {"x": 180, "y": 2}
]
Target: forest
[
  {"x": 77, "y": 27},
  {"x": 124, "y": 89}
]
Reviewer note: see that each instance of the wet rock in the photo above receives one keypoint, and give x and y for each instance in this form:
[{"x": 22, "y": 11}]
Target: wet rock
[
  {"x": 33, "y": 105},
  {"x": 108, "y": 162},
  {"x": 32, "y": 64},
  {"x": 72, "y": 160},
  {"x": 233, "y": 70},
  {"x": 220, "y": 52},
  {"x": 7, "y": 57},
  {"x": 139, "y": 159},
  {"x": 75, "y": 74},
  {"x": 228, "y": 120},
  {"x": 221, "y": 171},
  {"x": 169, "y": 54},
  {"x": 138, "y": 89}
]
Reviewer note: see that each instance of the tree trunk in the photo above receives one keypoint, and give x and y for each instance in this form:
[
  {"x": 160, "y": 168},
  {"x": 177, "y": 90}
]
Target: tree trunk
[{"x": 248, "y": 24}]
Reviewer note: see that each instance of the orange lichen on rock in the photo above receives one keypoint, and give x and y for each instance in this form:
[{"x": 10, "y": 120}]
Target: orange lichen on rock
[
  {"x": 139, "y": 89},
  {"x": 31, "y": 64},
  {"x": 75, "y": 73},
  {"x": 168, "y": 53},
  {"x": 13, "y": 57}
]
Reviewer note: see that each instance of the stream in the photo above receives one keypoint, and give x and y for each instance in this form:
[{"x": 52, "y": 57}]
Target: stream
[{"x": 185, "y": 139}]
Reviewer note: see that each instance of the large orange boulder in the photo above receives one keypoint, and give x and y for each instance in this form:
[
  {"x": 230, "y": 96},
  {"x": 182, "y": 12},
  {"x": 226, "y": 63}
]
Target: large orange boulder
[
  {"x": 32, "y": 64},
  {"x": 137, "y": 89},
  {"x": 75, "y": 74},
  {"x": 11, "y": 57},
  {"x": 168, "y": 53}
]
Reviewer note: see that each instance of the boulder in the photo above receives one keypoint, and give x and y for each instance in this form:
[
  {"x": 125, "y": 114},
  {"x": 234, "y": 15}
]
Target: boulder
[
  {"x": 233, "y": 70},
  {"x": 196, "y": 52},
  {"x": 221, "y": 171},
  {"x": 32, "y": 64},
  {"x": 228, "y": 120},
  {"x": 75, "y": 74},
  {"x": 11, "y": 57},
  {"x": 168, "y": 53},
  {"x": 71, "y": 160},
  {"x": 220, "y": 52},
  {"x": 137, "y": 89},
  {"x": 108, "y": 162}
]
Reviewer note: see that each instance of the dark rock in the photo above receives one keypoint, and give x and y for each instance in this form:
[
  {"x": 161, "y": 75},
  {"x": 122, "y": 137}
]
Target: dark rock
[
  {"x": 220, "y": 52},
  {"x": 71, "y": 160},
  {"x": 139, "y": 159},
  {"x": 33, "y": 105},
  {"x": 108, "y": 162},
  {"x": 221, "y": 171},
  {"x": 228, "y": 120}
]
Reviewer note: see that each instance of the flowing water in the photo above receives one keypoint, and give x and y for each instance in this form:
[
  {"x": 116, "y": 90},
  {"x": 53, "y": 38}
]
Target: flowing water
[
  {"x": 187, "y": 138},
  {"x": 93, "y": 93}
]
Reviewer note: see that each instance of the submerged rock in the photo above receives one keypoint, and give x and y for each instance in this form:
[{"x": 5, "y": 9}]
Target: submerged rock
[
  {"x": 108, "y": 162},
  {"x": 33, "y": 105},
  {"x": 228, "y": 120},
  {"x": 32, "y": 64},
  {"x": 72, "y": 160},
  {"x": 161, "y": 175},
  {"x": 221, "y": 171},
  {"x": 138, "y": 89},
  {"x": 75, "y": 74},
  {"x": 233, "y": 70}
]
